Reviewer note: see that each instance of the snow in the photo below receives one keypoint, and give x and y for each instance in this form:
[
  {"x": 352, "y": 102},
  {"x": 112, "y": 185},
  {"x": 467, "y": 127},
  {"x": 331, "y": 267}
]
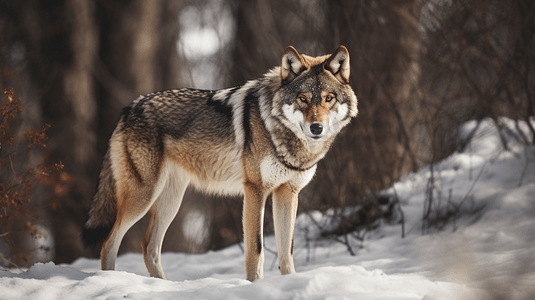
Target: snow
[{"x": 485, "y": 252}]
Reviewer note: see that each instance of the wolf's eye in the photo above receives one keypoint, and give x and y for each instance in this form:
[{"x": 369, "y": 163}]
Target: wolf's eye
[
  {"x": 329, "y": 98},
  {"x": 303, "y": 99}
]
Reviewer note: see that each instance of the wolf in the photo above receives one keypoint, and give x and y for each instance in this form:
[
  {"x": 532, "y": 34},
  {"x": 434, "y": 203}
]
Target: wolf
[{"x": 260, "y": 139}]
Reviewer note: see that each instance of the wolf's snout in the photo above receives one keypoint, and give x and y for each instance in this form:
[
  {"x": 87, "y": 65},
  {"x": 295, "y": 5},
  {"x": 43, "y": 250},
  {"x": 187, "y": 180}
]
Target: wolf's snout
[{"x": 316, "y": 128}]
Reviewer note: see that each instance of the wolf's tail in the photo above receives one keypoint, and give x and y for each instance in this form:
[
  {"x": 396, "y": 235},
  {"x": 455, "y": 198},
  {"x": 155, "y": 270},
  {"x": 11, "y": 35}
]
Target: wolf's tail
[{"x": 103, "y": 208}]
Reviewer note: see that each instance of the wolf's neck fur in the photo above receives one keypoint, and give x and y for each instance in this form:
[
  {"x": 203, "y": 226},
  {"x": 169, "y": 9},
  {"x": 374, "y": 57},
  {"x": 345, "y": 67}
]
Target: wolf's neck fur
[{"x": 290, "y": 145}]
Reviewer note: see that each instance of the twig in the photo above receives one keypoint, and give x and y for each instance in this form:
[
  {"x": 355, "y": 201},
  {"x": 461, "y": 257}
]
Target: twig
[
  {"x": 269, "y": 250},
  {"x": 8, "y": 155},
  {"x": 307, "y": 244},
  {"x": 12, "y": 167},
  {"x": 524, "y": 138},
  {"x": 276, "y": 255},
  {"x": 8, "y": 261},
  {"x": 402, "y": 215},
  {"x": 472, "y": 186},
  {"x": 525, "y": 167},
  {"x": 346, "y": 242},
  {"x": 314, "y": 221},
  {"x": 360, "y": 238},
  {"x": 428, "y": 204}
]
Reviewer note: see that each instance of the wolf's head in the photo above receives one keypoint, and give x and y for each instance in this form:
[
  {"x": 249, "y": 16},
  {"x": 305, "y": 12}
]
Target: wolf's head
[{"x": 316, "y": 98}]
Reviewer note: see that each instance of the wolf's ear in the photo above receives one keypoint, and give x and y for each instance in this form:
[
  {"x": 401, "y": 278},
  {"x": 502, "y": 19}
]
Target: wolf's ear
[
  {"x": 292, "y": 64},
  {"x": 338, "y": 64}
]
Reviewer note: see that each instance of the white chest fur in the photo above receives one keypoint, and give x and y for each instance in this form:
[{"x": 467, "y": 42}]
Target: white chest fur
[{"x": 274, "y": 173}]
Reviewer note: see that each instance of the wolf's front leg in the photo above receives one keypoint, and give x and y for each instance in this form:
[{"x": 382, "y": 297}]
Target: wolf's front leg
[
  {"x": 253, "y": 220},
  {"x": 285, "y": 199}
]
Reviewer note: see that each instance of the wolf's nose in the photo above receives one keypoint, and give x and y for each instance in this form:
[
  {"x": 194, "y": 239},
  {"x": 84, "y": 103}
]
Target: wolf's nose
[{"x": 316, "y": 128}]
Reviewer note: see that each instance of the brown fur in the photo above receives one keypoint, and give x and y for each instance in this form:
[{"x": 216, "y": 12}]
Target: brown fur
[{"x": 256, "y": 140}]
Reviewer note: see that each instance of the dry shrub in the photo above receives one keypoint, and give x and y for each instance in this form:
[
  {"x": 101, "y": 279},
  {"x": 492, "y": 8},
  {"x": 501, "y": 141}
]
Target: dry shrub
[{"x": 25, "y": 175}]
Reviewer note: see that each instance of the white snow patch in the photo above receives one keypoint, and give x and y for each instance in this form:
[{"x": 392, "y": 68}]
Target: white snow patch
[{"x": 483, "y": 256}]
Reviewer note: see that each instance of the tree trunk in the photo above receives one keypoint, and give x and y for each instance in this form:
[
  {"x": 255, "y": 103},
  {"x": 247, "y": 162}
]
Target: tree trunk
[
  {"x": 383, "y": 41},
  {"x": 84, "y": 61}
]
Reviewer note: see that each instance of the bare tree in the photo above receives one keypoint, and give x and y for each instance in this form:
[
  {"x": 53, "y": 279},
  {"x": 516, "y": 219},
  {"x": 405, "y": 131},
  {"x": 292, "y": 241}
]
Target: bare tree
[
  {"x": 383, "y": 40},
  {"x": 384, "y": 44},
  {"x": 478, "y": 62},
  {"x": 79, "y": 62},
  {"x": 419, "y": 69},
  {"x": 477, "y": 59}
]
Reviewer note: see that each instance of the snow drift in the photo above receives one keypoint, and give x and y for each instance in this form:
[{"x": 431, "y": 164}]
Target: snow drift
[{"x": 484, "y": 250}]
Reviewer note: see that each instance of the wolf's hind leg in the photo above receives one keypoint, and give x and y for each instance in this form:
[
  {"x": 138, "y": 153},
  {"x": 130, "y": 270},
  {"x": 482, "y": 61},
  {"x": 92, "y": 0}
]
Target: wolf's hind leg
[
  {"x": 163, "y": 211},
  {"x": 134, "y": 204},
  {"x": 285, "y": 199}
]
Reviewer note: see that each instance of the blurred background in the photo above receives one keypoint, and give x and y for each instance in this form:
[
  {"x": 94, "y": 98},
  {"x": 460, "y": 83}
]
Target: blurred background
[{"x": 420, "y": 68}]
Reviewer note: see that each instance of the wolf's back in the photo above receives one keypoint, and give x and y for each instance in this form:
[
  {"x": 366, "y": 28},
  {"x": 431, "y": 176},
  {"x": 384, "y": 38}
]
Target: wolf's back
[{"x": 103, "y": 207}]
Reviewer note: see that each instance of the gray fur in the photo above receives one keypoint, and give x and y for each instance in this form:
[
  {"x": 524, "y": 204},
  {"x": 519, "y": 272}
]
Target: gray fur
[{"x": 251, "y": 139}]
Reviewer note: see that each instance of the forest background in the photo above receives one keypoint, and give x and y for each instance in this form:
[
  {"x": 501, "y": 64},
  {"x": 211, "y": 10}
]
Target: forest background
[{"x": 420, "y": 69}]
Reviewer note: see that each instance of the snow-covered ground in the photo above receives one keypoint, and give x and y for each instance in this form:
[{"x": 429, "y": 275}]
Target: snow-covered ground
[{"x": 486, "y": 251}]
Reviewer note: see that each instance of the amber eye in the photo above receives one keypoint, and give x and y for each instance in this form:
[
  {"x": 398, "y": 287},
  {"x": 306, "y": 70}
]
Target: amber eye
[
  {"x": 303, "y": 99},
  {"x": 328, "y": 98}
]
